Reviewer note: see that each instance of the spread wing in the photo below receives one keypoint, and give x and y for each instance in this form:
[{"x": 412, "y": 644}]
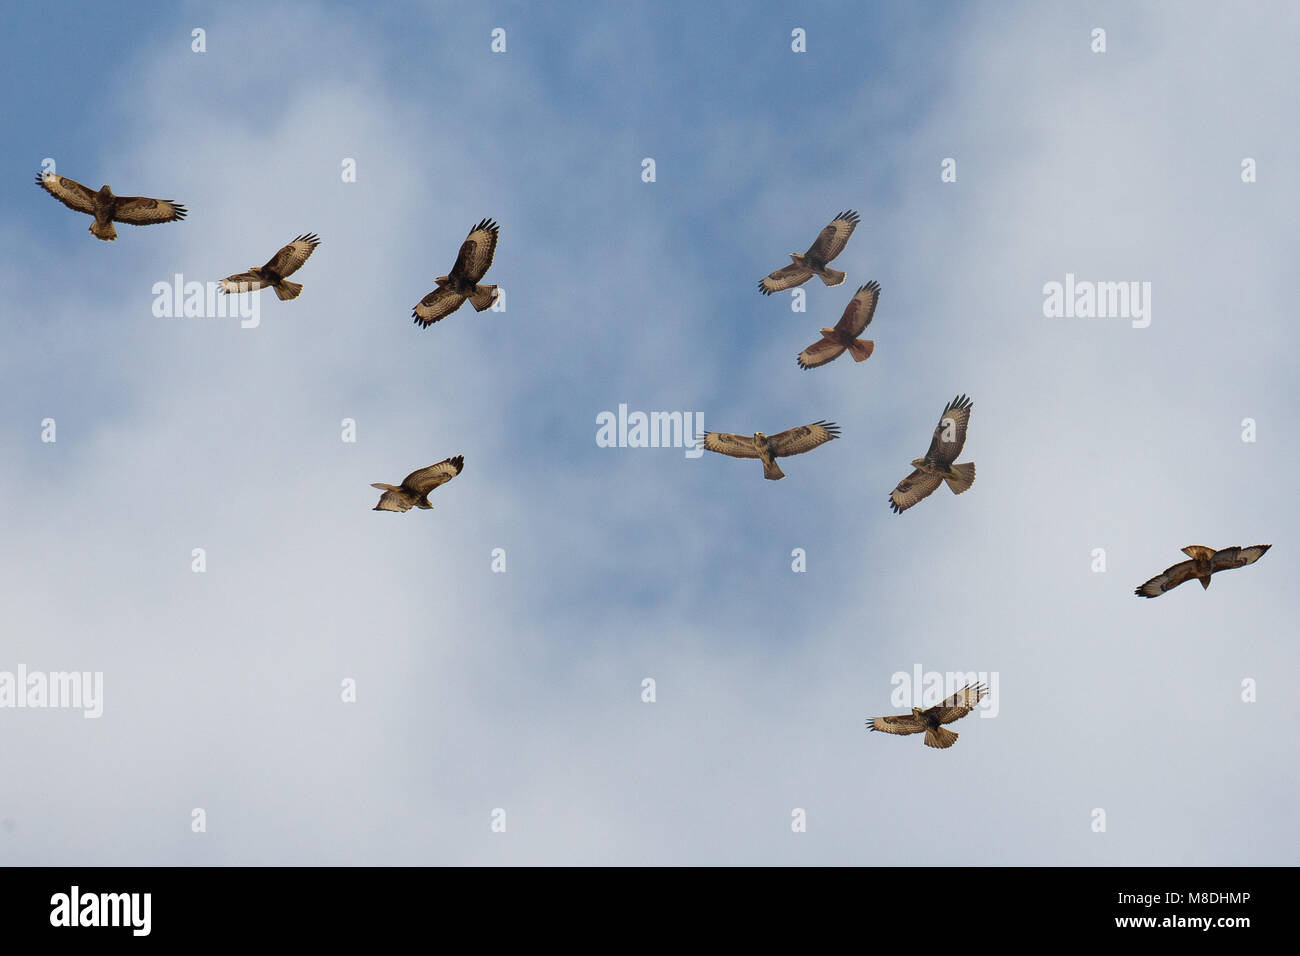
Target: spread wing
[
  {"x": 143, "y": 211},
  {"x": 476, "y": 251},
  {"x": 68, "y": 191},
  {"x": 1230, "y": 558},
  {"x": 782, "y": 279},
  {"x": 393, "y": 501},
  {"x": 243, "y": 282},
  {"x": 899, "y": 724},
  {"x": 819, "y": 353},
  {"x": 1168, "y": 579},
  {"x": 857, "y": 315},
  {"x": 725, "y": 443},
  {"x": 950, "y": 433},
  {"x": 291, "y": 257},
  {"x": 438, "y": 304},
  {"x": 832, "y": 240},
  {"x": 912, "y": 489},
  {"x": 420, "y": 483},
  {"x": 959, "y": 704},
  {"x": 796, "y": 441}
]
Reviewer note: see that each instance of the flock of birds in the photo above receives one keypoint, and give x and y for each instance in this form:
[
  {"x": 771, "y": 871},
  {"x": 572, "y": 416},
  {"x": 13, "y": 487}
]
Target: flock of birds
[{"x": 464, "y": 282}]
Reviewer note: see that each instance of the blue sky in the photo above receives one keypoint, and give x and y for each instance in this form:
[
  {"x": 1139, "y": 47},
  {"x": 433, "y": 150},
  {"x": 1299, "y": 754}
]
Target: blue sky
[{"x": 521, "y": 690}]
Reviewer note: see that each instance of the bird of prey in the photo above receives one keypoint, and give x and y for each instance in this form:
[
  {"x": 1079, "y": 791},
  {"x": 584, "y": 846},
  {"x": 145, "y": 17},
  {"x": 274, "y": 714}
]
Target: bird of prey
[
  {"x": 284, "y": 263},
  {"x": 1205, "y": 562},
  {"x": 768, "y": 448},
  {"x": 473, "y": 261},
  {"x": 415, "y": 487},
  {"x": 932, "y": 719},
  {"x": 937, "y": 465},
  {"x": 107, "y": 208},
  {"x": 830, "y": 243},
  {"x": 857, "y": 316}
]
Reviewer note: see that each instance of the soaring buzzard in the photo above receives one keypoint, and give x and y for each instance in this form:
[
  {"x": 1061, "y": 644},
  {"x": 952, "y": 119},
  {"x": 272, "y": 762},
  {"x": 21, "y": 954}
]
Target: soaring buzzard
[
  {"x": 1205, "y": 562},
  {"x": 284, "y": 263},
  {"x": 792, "y": 441},
  {"x": 830, "y": 243},
  {"x": 415, "y": 487},
  {"x": 857, "y": 316},
  {"x": 931, "y": 720},
  {"x": 107, "y": 208},
  {"x": 937, "y": 465},
  {"x": 473, "y": 261}
]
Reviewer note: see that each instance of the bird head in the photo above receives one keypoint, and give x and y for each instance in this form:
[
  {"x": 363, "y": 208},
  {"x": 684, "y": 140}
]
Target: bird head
[
  {"x": 828, "y": 332},
  {"x": 105, "y": 191},
  {"x": 918, "y": 462},
  {"x": 760, "y": 438},
  {"x": 796, "y": 258},
  {"x": 917, "y": 712}
]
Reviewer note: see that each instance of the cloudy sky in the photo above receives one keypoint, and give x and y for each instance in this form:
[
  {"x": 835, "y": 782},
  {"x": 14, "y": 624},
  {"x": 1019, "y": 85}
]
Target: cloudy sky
[{"x": 521, "y": 691}]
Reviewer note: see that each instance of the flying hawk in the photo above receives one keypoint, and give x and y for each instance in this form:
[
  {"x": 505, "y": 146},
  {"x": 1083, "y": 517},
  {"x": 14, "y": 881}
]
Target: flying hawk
[
  {"x": 1205, "y": 562},
  {"x": 107, "y": 208},
  {"x": 857, "y": 316},
  {"x": 937, "y": 465},
  {"x": 792, "y": 441},
  {"x": 473, "y": 261},
  {"x": 830, "y": 243},
  {"x": 415, "y": 487},
  {"x": 931, "y": 720},
  {"x": 284, "y": 263}
]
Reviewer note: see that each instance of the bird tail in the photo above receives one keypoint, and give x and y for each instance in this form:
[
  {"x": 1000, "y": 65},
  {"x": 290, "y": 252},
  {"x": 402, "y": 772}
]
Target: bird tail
[
  {"x": 940, "y": 737},
  {"x": 482, "y": 297},
  {"x": 1205, "y": 583},
  {"x": 103, "y": 230},
  {"x": 965, "y": 477},
  {"x": 772, "y": 471},
  {"x": 831, "y": 276},
  {"x": 286, "y": 290},
  {"x": 861, "y": 349}
]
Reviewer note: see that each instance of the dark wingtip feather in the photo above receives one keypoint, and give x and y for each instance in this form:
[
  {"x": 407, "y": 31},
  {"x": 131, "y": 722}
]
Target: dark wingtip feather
[{"x": 872, "y": 286}]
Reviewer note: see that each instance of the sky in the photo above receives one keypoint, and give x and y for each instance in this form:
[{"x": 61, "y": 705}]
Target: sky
[{"x": 340, "y": 686}]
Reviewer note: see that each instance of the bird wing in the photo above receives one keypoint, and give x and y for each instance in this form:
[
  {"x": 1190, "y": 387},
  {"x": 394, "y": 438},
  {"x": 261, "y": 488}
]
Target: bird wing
[
  {"x": 832, "y": 240},
  {"x": 950, "y": 433},
  {"x": 796, "y": 441},
  {"x": 897, "y": 724},
  {"x": 1168, "y": 579},
  {"x": 912, "y": 489},
  {"x": 476, "y": 251},
  {"x": 143, "y": 211},
  {"x": 291, "y": 257},
  {"x": 420, "y": 483},
  {"x": 393, "y": 501},
  {"x": 68, "y": 191},
  {"x": 1230, "y": 558},
  {"x": 725, "y": 443},
  {"x": 959, "y": 704},
  {"x": 782, "y": 279},
  {"x": 243, "y": 282},
  {"x": 819, "y": 353},
  {"x": 857, "y": 314},
  {"x": 438, "y": 304}
]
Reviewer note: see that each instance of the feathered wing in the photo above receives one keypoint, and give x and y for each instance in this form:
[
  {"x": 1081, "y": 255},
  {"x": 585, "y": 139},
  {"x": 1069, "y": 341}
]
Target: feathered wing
[
  {"x": 725, "y": 443},
  {"x": 420, "y": 483},
  {"x": 438, "y": 304},
  {"x": 68, "y": 191},
  {"x": 291, "y": 257},
  {"x": 782, "y": 279},
  {"x": 1230, "y": 558},
  {"x": 1168, "y": 579},
  {"x": 898, "y": 724},
  {"x": 819, "y": 353},
  {"x": 950, "y": 433},
  {"x": 394, "y": 501},
  {"x": 143, "y": 211},
  {"x": 915, "y": 487},
  {"x": 959, "y": 704},
  {"x": 243, "y": 282},
  {"x": 796, "y": 441},
  {"x": 476, "y": 251},
  {"x": 832, "y": 240},
  {"x": 857, "y": 314}
]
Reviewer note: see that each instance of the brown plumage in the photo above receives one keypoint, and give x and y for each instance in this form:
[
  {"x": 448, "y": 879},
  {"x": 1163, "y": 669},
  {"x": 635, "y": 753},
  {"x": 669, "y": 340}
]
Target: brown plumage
[
  {"x": 930, "y": 720},
  {"x": 286, "y": 262},
  {"x": 472, "y": 264},
  {"x": 1205, "y": 563},
  {"x": 415, "y": 487},
  {"x": 857, "y": 316},
  {"x": 937, "y": 465},
  {"x": 830, "y": 243},
  {"x": 107, "y": 208},
  {"x": 768, "y": 448}
]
